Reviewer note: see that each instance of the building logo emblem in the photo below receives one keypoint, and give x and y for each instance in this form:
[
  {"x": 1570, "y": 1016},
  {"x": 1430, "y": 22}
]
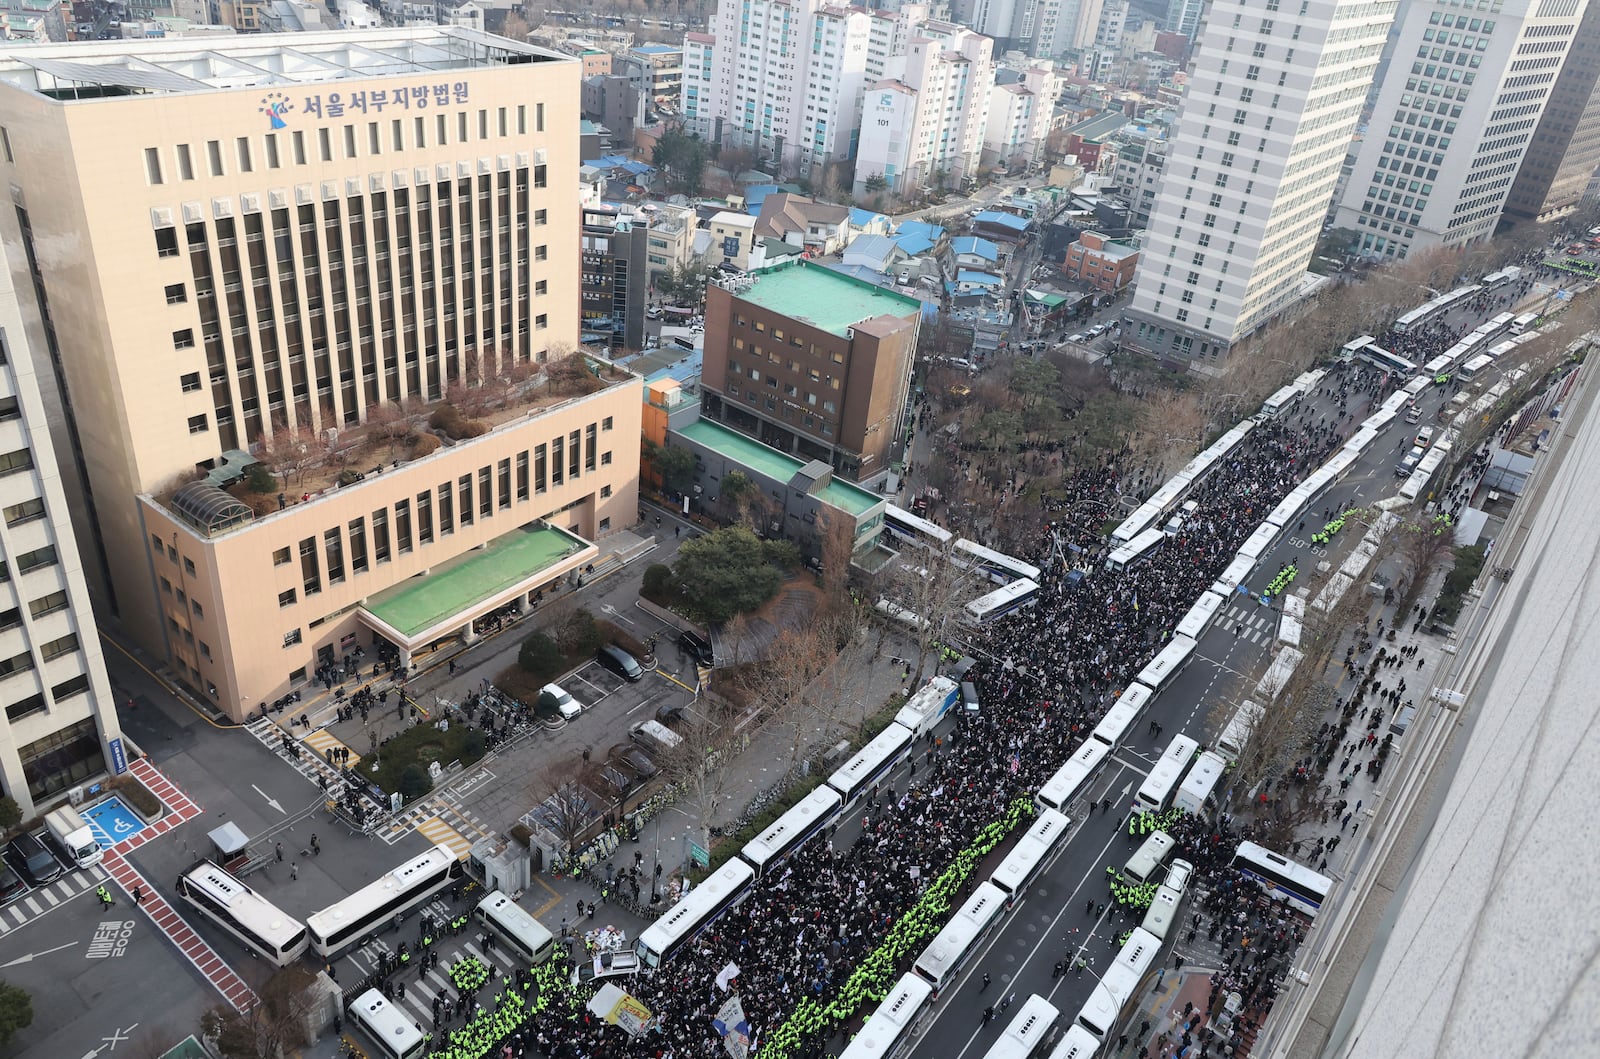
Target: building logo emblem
[{"x": 275, "y": 105}]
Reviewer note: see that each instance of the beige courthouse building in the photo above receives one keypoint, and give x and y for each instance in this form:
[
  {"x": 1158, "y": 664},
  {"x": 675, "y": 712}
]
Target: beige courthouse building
[{"x": 293, "y": 248}]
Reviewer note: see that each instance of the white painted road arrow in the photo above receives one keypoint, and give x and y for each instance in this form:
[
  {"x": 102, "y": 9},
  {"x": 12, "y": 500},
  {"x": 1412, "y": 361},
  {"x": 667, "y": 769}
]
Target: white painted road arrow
[
  {"x": 270, "y": 801},
  {"x": 35, "y": 955}
]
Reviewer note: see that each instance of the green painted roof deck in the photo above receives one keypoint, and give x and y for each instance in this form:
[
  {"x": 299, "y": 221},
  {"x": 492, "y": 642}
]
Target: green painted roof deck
[
  {"x": 420, "y": 603},
  {"x": 778, "y": 466},
  {"x": 825, "y": 299}
]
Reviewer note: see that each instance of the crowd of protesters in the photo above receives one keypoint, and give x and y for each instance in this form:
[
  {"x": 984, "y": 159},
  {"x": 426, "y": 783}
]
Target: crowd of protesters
[{"x": 1048, "y": 676}]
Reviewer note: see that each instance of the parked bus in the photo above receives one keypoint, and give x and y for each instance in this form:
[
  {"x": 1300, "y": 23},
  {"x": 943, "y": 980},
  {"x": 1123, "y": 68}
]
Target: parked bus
[
  {"x": 1018, "y": 595},
  {"x": 927, "y": 707},
  {"x": 1278, "y": 674},
  {"x": 1198, "y": 793},
  {"x": 722, "y": 889},
  {"x": 892, "y": 611},
  {"x": 1168, "y": 664},
  {"x": 1072, "y": 779},
  {"x": 1523, "y": 323},
  {"x": 1282, "y": 878},
  {"x": 1381, "y": 358},
  {"x": 1137, "y": 550},
  {"x": 1474, "y": 366},
  {"x": 1156, "y": 792},
  {"x": 393, "y": 895},
  {"x": 1236, "y": 734},
  {"x": 1027, "y": 1036},
  {"x": 915, "y": 530},
  {"x": 791, "y": 830},
  {"x": 394, "y": 1035},
  {"x": 514, "y": 926},
  {"x": 1119, "y": 719},
  {"x": 941, "y": 962},
  {"x": 1119, "y": 984},
  {"x": 1029, "y": 856},
  {"x": 1349, "y": 350},
  {"x": 254, "y": 922},
  {"x": 888, "y": 1031},
  {"x": 1076, "y": 1043},
  {"x": 1148, "y": 858},
  {"x": 1200, "y": 615},
  {"x": 872, "y": 762},
  {"x": 996, "y": 566}
]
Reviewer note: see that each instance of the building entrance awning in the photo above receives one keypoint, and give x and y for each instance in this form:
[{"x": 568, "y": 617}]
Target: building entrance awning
[{"x": 425, "y": 608}]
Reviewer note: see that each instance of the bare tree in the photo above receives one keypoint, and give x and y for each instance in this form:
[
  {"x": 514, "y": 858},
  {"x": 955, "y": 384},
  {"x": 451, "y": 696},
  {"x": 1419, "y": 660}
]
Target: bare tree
[
  {"x": 929, "y": 584},
  {"x": 273, "y": 1027},
  {"x": 288, "y": 452},
  {"x": 563, "y": 802}
]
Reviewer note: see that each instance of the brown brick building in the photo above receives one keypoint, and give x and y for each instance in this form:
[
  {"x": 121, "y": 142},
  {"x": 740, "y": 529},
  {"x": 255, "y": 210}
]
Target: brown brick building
[
  {"x": 1100, "y": 262},
  {"x": 812, "y": 362}
]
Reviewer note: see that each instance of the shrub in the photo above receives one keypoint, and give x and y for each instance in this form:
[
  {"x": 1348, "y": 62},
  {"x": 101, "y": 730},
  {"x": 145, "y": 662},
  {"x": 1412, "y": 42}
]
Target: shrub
[
  {"x": 260, "y": 480},
  {"x": 447, "y": 417},
  {"x": 10, "y": 813},
  {"x": 659, "y": 585},
  {"x": 579, "y": 634},
  {"x": 474, "y": 746},
  {"x": 424, "y": 445},
  {"x": 610, "y": 632},
  {"x": 415, "y": 782},
  {"x": 521, "y": 835},
  {"x": 138, "y": 796},
  {"x": 540, "y": 658},
  {"x": 784, "y": 553}
]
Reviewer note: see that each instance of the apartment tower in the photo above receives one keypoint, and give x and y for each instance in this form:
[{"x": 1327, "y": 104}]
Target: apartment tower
[
  {"x": 1565, "y": 151},
  {"x": 1274, "y": 97},
  {"x": 60, "y": 726},
  {"x": 265, "y": 266},
  {"x": 1455, "y": 115}
]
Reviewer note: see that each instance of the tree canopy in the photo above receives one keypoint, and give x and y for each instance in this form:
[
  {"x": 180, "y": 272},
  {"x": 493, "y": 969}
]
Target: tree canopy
[
  {"x": 681, "y": 158},
  {"x": 726, "y": 572},
  {"x": 16, "y": 1011},
  {"x": 674, "y": 465}
]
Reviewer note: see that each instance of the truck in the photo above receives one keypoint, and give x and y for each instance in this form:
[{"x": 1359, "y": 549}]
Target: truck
[{"x": 72, "y": 831}]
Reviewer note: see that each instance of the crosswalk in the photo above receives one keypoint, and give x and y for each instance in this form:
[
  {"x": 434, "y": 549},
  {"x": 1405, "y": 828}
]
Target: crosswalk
[
  {"x": 322, "y": 740},
  {"x": 1256, "y": 624},
  {"x": 37, "y": 902},
  {"x": 435, "y": 830},
  {"x": 421, "y": 989}
]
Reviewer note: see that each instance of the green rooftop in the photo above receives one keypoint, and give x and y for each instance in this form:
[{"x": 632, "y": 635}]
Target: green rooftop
[
  {"x": 780, "y": 467},
  {"x": 825, "y": 299},
  {"x": 420, "y": 603}
]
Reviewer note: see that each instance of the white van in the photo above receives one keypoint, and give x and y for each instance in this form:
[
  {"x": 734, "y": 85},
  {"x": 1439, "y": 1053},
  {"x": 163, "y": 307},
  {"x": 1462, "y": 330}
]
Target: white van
[
  {"x": 73, "y": 832},
  {"x": 1143, "y": 865},
  {"x": 653, "y": 735}
]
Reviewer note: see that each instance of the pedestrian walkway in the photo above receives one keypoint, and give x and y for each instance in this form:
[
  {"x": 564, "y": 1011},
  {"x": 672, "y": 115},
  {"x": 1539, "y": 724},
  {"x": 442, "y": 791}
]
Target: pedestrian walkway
[
  {"x": 322, "y": 740},
  {"x": 194, "y": 948},
  {"x": 39, "y": 901},
  {"x": 1254, "y": 624},
  {"x": 435, "y": 830},
  {"x": 180, "y": 808}
]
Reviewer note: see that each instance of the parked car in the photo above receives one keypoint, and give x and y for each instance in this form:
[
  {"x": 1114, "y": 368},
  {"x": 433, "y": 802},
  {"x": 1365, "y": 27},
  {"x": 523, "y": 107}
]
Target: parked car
[
  {"x": 639, "y": 761},
  {"x": 653, "y": 313},
  {"x": 11, "y": 884},
  {"x": 36, "y": 862},
  {"x": 696, "y": 647},
  {"x": 556, "y": 697},
  {"x": 620, "y": 662},
  {"x": 670, "y": 714},
  {"x": 1097, "y": 330}
]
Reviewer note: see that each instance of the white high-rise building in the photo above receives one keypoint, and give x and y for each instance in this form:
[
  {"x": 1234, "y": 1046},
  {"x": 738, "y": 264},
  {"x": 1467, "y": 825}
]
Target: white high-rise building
[
  {"x": 1453, "y": 118},
  {"x": 781, "y": 77},
  {"x": 60, "y": 727},
  {"x": 1274, "y": 97},
  {"x": 1020, "y": 111},
  {"x": 937, "y": 100}
]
